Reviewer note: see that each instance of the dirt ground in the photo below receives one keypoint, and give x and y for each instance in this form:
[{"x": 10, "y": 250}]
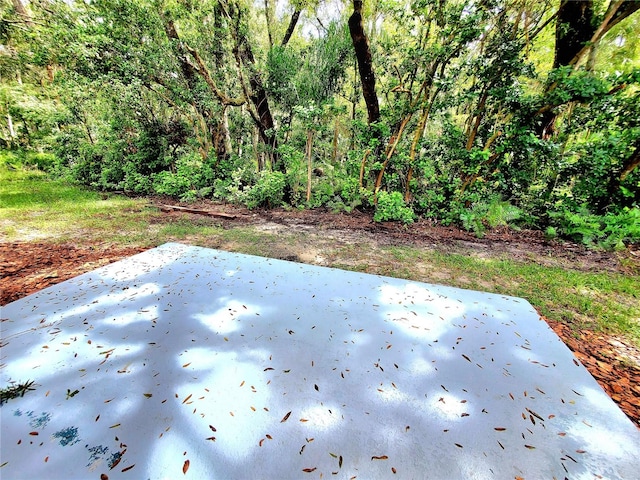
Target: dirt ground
[{"x": 26, "y": 267}]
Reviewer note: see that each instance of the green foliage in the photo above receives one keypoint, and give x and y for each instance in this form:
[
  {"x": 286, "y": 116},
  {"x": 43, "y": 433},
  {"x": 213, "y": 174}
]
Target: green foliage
[
  {"x": 612, "y": 230},
  {"x": 391, "y": 206},
  {"x": 135, "y": 182},
  {"x": 190, "y": 181},
  {"x": 490, "y": 214},
  {"x": 295, "y": 165},
  {"x": 592, "y": 166},
  {"x": 581, "y": 86},
  {"x": 353, "y": 196},
  {"x": 282, "y": 66},
  {"x": 323, "y": 193},
  {"x": 17, "y": 159},
  {"x": 103, "y": 93},
  {"x": 268, "y": 190}
]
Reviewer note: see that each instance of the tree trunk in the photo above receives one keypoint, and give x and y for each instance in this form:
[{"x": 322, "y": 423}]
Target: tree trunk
[
  {"x": 258, "y": 96},
  {"x": 309, "y": 163},
  {"x": 22, "y": 12},
  {"x": 292, "y": 25},
  {"x": 365, "y": 67},
  {"x": 630, "y": 163},
  {"x": 334, "y": 144},
  {"x": 221, "y": 136},
  {"x": 577, "y": 34},
  {"x": 267, "y": 16},
  {"x": 12, "y": 132},
  {"x": 190, "y": 75},
  {"x": 574, "y": 28},
  {"x": 217, "y": 130},
  {"x": 259, "y": 155}
]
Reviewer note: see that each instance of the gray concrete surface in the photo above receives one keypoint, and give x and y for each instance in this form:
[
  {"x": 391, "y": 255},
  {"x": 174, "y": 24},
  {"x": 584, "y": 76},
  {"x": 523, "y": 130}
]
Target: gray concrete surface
[{"x": 186, "y": 362}]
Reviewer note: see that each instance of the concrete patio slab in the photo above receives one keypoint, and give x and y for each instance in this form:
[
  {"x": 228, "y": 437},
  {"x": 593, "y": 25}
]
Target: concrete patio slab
[{"x": 186, "y": 362}]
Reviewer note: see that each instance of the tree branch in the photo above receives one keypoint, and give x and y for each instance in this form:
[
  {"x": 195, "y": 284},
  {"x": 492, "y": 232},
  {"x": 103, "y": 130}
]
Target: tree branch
[
  {"x": 617, "y": 11},
  {"x": 292, "y": 25},
  {"x": 204, "y": 72}
]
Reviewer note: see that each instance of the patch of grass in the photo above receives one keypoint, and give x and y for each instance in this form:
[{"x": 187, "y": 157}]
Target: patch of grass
[
  {"x": 183, "y": 228},
  {"x": 251, "y": 241},
  {"x": 35, "y": 207}
]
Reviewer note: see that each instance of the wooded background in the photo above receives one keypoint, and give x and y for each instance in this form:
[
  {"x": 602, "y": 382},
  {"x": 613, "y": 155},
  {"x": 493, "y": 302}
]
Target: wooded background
[{"x": 478, "y": 113}]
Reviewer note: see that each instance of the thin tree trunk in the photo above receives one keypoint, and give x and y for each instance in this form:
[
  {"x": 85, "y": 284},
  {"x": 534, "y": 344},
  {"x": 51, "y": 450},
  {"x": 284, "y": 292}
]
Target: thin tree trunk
[
  {"x": 267, "y": 16},
  {"x": 222, "y": 138},
  {"x": 478, "y": 119},
  {"x": 259, "y": 155},
  {"x": 254, "y": 90},
  {"x": 190, "y": 75},
  {"x": 292, "y": 25},
  {"x": 631, "y": 163},
  {"x": 334, "y": 150},
  {"x": 12, "y": 132},
  {"x": 309, "y": 165},
  {"x": 365, "y": 66},
  {"x": 22, "y": 12},
  {"x": 628, "y": 166}
]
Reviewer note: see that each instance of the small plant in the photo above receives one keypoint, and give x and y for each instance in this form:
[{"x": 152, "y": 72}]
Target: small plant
[
  {"x": 493, "y": 213},
  {"x": 15, "y": 390},
  {"x": 268, "y": 190},
  {"x": 551, "y": 232},
  {"x": 391, "y": 206},
  {"x": 471, "y": 220},
  {"x": 502, "y": 214}
]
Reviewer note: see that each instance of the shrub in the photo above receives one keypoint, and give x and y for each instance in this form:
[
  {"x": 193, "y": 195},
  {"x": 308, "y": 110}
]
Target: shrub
[
  {"x": 493, "y": 213},
  {"x": 192, "y": 179},
  {"x": 268, "y": 191},
  {"x": 610, "y": 231},
  {"x": 391, "y": 206},
  {"x": 43, "y": 161},
  {"x": 134, "y": 181},
  {"x": 172, "y": 184}
]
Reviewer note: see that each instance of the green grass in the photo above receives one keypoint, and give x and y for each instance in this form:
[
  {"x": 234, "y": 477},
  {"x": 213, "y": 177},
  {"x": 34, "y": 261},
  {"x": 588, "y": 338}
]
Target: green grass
[{"x": 33, "y": 207}]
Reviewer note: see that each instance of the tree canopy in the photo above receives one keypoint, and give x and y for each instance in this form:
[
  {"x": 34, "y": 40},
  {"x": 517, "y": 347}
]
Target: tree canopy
[{"x": 476, "y": 112}]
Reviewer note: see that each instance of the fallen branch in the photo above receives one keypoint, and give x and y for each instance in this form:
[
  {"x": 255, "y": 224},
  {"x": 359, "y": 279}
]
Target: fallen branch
[{"x": 169, "y": 208}]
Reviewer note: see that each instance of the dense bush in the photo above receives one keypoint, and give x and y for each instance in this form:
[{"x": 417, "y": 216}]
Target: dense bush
[
  {"x": 391, "y": 206},
  {"x": 268, "y": 191},
  {"x": 612, "y": 230}
]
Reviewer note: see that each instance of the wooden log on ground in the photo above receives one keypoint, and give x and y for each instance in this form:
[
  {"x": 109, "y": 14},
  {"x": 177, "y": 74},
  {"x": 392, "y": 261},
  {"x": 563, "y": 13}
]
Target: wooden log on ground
[{"x": 209, "y": 213}]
